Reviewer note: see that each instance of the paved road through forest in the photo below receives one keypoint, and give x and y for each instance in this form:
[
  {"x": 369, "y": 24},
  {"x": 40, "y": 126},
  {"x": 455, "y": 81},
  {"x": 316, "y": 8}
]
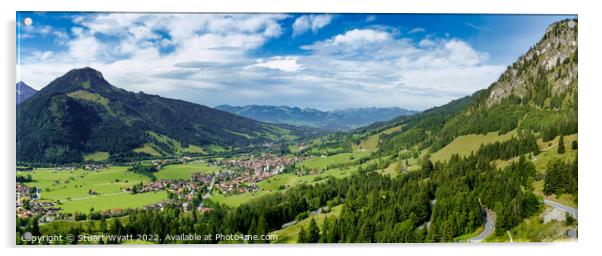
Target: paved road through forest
[
  {"x": 488, "y": 230},
  {"x": 572, "y": 211}
]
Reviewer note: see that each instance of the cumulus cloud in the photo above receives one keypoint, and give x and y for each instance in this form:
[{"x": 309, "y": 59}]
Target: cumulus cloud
[
  {"x": 209, "y": 59},
  {"x": 42, "y": 55},
  {"x": 288, "y": 64},
  {"x": 37, "y": 31},
  {"x": 123, "y": 46},
  {"x": 310, "y": 22},
  {"x": 400, "y": 71},
  {"x": 361, "y": 36}
]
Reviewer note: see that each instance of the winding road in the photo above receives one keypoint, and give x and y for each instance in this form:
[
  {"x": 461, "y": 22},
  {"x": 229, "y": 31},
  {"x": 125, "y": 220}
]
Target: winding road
[
  {"x": 488, "y": 230},
  {"x": 572, "y": 211},
  {"x": 490, "y": 222}
]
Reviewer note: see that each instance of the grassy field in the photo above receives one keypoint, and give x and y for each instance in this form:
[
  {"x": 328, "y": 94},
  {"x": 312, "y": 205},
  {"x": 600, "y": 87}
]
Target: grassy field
[
  {"x": 175, "y": 144},
  {"x": 368, "y": 144},
  {"x": 184, "y": 171},
  {"x": 97, "y": 156},
  {"x": 464, "y": 145},
  {"x": 148, "y": 149},
  {"x": 392, "y": 130},
  {"x": 236, "y": 200},
  {"x": 319, "y": 163},
  {"x": 72, "y": 188},
  {"x": 371, "y": 143},
  {"x": 120, "y": 200},
  {"x": 274, "y": 183},
  {"x": 88, "y": 96},
  {"x": 64, "y": 184},
  {"x": 392, "y": 170},
  {"x": 549, "y": 152}
]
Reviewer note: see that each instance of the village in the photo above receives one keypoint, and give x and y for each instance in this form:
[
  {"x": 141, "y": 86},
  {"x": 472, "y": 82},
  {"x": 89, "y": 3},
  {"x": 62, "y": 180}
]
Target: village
[
  {"x": 236, "y": 176},
  {"x": 28, "y": 204},
  {"x": 242, "y": 175}
]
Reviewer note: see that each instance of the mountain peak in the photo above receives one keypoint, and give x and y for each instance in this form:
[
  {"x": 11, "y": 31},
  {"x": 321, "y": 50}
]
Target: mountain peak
[
  {"x": 86, "y": 72},
  {"x": 80, "y": 79},
  {"x": 24, "y": 91},
  {"x": 548, "y": 69}
]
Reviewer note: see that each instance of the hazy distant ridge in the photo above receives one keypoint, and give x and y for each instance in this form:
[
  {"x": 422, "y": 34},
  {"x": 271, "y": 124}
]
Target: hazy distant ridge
[{"x": 343, "y": 119}]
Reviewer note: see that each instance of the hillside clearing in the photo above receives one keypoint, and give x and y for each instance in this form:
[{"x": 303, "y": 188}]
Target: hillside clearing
[{"x": 465, "y": 144}]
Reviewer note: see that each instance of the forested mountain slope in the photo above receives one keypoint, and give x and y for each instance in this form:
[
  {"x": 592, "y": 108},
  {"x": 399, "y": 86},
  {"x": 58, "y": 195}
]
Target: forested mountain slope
[
  {"x": 81, "y": 113},
  {"x": 537, "y": 93}
]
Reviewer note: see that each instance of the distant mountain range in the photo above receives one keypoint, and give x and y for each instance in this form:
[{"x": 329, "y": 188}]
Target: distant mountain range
[
  {"x": 344, "y": 119},
  {"x": 80, "y": 115},
  {"x": 24, "y": 91}
]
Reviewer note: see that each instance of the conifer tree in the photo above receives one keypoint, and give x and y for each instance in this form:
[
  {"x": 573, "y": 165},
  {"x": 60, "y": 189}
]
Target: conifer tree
[
  {"x": 314, "y": 232},
  {"x": 561, "y": 145}
]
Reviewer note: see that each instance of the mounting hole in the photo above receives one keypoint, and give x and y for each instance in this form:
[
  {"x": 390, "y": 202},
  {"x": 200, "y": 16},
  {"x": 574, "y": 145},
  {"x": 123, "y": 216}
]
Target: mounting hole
[{"x": 27, "y": 21}]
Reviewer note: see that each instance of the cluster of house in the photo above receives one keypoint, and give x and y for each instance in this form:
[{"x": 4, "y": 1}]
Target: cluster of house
[
  {"x": 28, "y": 203},
  {"x": 242, "y": 175},
  {"x": 198, "y": 182},
  {"x": 231, "y": 182},
  {"x": 263, "y": 164},
  {"x": 94, "y": 167}
]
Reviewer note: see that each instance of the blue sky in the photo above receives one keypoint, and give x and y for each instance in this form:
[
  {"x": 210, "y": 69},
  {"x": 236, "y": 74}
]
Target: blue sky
[{"x": 324, "y": 61}]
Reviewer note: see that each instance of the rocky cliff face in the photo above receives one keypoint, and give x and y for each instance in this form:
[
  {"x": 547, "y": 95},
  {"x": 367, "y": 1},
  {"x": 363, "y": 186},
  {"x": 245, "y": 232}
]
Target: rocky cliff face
[{"x": 552, "y": 61}]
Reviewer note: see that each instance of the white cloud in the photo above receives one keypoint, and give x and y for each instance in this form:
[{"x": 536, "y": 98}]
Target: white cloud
[
  {"x": 137, "y": 41},
  {"x": 384, "y": 70},
  {"x": 416, "y": 30},
  {"x": 310, "y": 22},
  {"x": 288, "y": 64},
  {"x": 210, "y": 61},
  {"x": 84, "y": 48},
  {"x": 42, "y": 55},
  {"x": 33, "y": 31},
  {"x": 361, "y": 36},
  {"x": 425, "y": 42},
  {"x": 459, "y": 53}
]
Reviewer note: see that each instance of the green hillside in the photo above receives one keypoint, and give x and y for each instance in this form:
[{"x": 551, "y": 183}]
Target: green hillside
[{"x": 80, "y": 113}]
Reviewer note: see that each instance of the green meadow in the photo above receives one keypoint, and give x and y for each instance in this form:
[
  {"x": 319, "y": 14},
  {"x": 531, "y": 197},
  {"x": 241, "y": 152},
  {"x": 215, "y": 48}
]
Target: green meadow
[
  {"x": 319, "y": 163},
  {"x": 120, "y": 200},
  {"x": 464, "y": 145},
  {"x": 549, "y": 151},
  {"x": 184, "y": 171},
  {"x": 72, "y": 188},
  {"x": 64, "y": 184},
  {"x": 371, "y": 142}
]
